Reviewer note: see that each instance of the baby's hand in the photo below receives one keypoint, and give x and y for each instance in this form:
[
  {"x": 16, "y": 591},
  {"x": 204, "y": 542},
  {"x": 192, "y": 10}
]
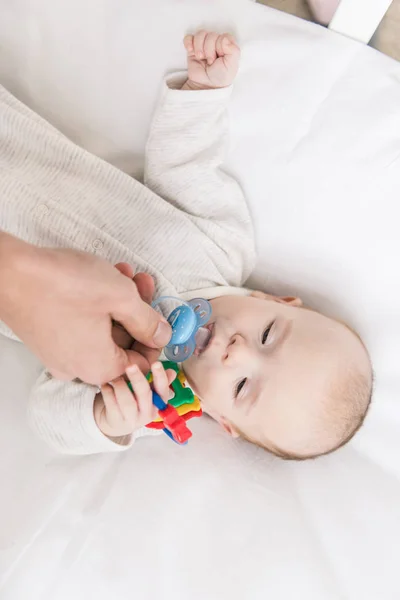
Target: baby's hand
[
  {"x": 213, "y": 60},
  {"x": 119, "y": 412}
]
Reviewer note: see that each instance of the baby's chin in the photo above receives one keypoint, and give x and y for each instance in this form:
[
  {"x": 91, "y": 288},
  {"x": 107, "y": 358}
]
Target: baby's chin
[{"x": 192, "y": 370}]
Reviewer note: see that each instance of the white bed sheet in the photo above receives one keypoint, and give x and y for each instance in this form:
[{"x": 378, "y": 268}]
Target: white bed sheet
[{"x": 315, "y": 143}]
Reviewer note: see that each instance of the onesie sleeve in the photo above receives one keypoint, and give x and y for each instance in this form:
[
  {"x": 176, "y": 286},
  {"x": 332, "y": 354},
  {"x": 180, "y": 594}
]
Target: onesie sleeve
[
  {"x": 61, "y": 414},
  {"x": 186, "y": 148}
]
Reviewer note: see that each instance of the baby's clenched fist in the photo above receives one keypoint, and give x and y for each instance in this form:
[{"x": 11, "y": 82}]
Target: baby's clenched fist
[
  {"x": 119, "y": 412},
  {"x": 213, "y": 60}
]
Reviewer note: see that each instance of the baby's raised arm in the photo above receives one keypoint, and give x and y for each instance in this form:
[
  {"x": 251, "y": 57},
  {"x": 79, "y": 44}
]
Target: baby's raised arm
[{"x": 186, "y": 149}]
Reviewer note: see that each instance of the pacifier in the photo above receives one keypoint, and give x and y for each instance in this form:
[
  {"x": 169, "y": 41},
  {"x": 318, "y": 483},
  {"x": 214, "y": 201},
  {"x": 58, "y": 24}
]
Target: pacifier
[{"x": 187, "y": 320}]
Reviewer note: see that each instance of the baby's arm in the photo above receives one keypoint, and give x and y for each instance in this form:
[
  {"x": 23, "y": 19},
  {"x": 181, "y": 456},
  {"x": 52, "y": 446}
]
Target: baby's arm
[
  {"x": 186, "y": 149},
  {"x": 74, "y": 418},
  {"x": 61, "y": 414}
]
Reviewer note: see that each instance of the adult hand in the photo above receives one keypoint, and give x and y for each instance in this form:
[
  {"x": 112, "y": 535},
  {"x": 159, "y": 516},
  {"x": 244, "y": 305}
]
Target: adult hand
[{"x": 61, "y": 304}]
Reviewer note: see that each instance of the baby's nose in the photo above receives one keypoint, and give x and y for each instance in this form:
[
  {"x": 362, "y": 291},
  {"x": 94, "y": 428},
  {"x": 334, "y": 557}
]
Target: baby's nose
[{"x": 236, "y": 349}]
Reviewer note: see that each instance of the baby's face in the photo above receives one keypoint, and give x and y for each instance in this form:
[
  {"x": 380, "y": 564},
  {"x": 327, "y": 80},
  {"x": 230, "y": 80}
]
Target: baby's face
[{"x": 267, "y": 368}]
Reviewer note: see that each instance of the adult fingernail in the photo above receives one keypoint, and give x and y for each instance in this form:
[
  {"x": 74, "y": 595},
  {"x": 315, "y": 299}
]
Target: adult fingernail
[{"x": 162, "y": 334}]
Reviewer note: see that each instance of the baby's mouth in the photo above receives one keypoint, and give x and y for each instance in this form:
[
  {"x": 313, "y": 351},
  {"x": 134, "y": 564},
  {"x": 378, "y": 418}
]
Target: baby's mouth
[{"x": 203, "y": 338}]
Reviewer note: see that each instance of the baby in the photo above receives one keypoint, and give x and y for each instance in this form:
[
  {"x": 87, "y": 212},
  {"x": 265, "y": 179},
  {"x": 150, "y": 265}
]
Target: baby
[{"x": 280, "y": 375}]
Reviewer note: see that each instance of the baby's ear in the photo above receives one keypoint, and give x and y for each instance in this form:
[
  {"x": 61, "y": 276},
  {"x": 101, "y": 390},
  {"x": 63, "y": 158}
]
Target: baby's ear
[
  {"x": 290, "y": 300},
  {"x": 229, "y": 428},
  {"x": 225, "y": 424}
]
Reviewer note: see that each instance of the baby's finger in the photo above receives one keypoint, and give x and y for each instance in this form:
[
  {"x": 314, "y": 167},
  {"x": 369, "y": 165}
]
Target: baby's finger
[
  {"x": 188, "y": 43},
  {"x": 229, "y": 44},
  {"x": 198, "y": 43},
  {"x": 126, "y": 401},
  {"x": 219, "y": 45},
  {"x": 226, "y": 45},
  {"x": 143, "y": 393},
  {"x": 209, "y": 47},
  {"x": 160, "y": 382},
  {"x": 110, "y": 402},
  {"x": 171, "y": 375}
]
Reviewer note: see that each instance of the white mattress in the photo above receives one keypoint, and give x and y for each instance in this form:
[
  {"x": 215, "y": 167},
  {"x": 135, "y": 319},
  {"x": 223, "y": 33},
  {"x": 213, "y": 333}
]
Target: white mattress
[{"x": 315, "y": 143}]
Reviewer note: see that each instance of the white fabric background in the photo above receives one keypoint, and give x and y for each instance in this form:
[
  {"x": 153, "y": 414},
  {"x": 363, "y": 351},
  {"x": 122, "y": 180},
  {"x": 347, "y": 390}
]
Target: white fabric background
[{"x": 315, "y": 143}]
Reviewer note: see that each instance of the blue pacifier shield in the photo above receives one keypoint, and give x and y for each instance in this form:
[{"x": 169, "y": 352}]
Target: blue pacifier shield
[
  {"x": 202, "y": 310},
  {"x": 185, "y": 320},
  {"x": 180, "y": 352}
]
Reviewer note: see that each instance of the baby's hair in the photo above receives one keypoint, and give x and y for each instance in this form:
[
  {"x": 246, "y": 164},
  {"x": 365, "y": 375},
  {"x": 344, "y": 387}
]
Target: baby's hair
[{"x": 347, "y": 406}]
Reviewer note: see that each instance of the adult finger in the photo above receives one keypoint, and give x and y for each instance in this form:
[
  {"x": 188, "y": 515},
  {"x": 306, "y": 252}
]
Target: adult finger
[
  {"x": 115, "y": 361},
  {"x": 145, "y": 285},
  {"x": 149, "y": 356},
  {"x": 139, "y": 319},
  {"x": 141, "y": 358},
  {"x": 144, "y": 282},
  {"x": 121, "y": 337},
  {"x": 94, "y": 370},
  {"x": 125, "y": 269}
]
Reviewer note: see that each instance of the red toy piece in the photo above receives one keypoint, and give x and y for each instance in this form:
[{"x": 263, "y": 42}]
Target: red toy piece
[
  {"x": 175, "y": 424},
  {"x": 185, "y": 417}
]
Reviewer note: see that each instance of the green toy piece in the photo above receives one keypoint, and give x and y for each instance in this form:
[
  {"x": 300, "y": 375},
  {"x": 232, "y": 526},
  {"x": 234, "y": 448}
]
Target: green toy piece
[{"x": 183, "y": 395}]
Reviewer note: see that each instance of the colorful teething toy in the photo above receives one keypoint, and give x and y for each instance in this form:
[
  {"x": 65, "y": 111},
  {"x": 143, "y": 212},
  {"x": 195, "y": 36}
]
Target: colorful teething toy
[
  {"x": 174, "y": 415},
  {"x": 186, "y": 320}
]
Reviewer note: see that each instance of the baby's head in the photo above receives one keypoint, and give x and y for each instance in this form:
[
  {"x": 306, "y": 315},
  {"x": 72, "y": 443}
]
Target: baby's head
[{"x": 289, "y": 379}]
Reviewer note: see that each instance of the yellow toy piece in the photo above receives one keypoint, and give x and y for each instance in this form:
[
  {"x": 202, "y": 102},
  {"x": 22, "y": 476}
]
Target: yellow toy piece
[{"x": 181, "y": 377}]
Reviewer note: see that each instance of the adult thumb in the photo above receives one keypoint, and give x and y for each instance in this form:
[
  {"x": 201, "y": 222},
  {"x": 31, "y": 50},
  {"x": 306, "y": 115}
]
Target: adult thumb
[{"x": 142, "y": 322}]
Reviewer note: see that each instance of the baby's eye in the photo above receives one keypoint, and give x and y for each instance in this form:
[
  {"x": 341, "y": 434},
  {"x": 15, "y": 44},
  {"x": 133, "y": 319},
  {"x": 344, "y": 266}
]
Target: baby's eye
[
  {"x": 240, "y": 386},
  {"x": 266, "y": 333}
]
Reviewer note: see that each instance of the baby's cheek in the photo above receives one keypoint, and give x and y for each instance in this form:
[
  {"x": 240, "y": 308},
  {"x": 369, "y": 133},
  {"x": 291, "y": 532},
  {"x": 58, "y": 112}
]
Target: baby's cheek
[
  {"x": 216, "y": 396},
  {"x": 208, "y": 383}
]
